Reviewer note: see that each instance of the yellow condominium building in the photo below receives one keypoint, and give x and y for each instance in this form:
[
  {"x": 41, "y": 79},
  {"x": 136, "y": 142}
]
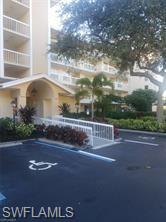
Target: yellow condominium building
[
  {"x": 31, "y": 76},
  {"x": 24, "y": 63}
]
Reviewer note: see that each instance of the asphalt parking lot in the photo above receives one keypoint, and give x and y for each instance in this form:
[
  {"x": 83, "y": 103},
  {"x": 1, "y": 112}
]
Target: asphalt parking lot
[{"x": 130, "y": 189}]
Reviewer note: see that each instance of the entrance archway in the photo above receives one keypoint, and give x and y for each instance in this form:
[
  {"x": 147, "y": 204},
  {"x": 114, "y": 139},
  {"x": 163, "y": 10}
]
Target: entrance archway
[{"x": 40, "y": 95}]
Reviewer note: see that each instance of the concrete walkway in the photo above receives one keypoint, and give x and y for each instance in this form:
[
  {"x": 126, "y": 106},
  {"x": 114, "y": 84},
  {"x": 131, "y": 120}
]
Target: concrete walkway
[{"x": 100, "y": 143}]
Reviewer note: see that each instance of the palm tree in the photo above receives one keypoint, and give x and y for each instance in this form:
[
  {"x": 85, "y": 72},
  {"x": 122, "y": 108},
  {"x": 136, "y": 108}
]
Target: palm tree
[{"x": 93, "y": 88}]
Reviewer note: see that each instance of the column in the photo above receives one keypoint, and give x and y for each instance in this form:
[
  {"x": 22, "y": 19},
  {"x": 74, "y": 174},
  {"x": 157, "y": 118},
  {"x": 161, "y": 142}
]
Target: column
[
  {"x": 55, "y": 104},
  {"x": 21, "y": 101},
  {"x": 1, "y": 40}
]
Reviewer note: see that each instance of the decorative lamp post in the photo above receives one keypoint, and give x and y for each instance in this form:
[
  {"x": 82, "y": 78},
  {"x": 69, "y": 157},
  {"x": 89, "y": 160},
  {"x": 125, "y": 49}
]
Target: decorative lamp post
[
  {"x": 77, "y": 107},
  {"x": 14, "y": 109}
]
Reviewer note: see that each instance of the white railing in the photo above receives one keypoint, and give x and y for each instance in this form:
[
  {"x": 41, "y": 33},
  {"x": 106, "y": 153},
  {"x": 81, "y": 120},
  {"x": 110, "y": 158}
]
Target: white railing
[
  {"x": 100, "y": 130},
  {"x": 106, "y": 68},
  {"x": 85, "y": 129},
  {"x": 23, "y": 2},
  {"x": 16, "y": 58},
  {"x": 121, "y": 86},
  {"x": 65, "y": 79},
  {"x": 16, "y": 26},
  {"x": 109, "y": 69},
  {"x": 72, "y": 63}
]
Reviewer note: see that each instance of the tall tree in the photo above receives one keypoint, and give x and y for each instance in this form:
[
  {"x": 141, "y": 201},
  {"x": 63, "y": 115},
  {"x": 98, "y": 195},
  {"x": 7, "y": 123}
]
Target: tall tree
[
  {"x": 132, "y": 32},
  {"x": 141, "y": 100},
  {"x": 93, "y": 89}
]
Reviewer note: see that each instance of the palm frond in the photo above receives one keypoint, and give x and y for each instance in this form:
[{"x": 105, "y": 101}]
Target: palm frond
[
  {"x": 99, "y": 80},
  {"x": 98, "y": 91},
  {"x": 84, "y": 82},
  {"x": 81, "y": 94}
]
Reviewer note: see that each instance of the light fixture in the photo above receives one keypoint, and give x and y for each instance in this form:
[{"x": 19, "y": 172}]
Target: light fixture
[
  {"x": 33, "y": 92},
  {"x": 14, "y": 109},
  {"x": 13, "y": 104}
]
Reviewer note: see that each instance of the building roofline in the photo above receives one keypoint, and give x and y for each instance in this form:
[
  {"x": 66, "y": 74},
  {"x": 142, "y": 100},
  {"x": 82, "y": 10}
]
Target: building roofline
[{"x": 33, "y": 78}]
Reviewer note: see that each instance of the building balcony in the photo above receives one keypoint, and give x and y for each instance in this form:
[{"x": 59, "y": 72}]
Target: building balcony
[
  {"x": 26, "y": 3},
  {"x": 15, "y": 58},
  {"x": 64, "y": 78},
  {"x": 16, "y": 8},
  {"x": 121, "y": 86},
  {"x": 16, "y": 27},
  {"x": 107, "y": 69},
  {"x": 87, "y": 67}
]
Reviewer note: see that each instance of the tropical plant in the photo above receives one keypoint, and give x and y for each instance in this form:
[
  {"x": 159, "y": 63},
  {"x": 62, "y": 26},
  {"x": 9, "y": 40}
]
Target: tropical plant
[
  {"x": 64, "y": 108},
  {"x": 24, "y": 130},
  {"x": 93, "y": 89},
  {"x": 66, "y": 134},
  {"x": 132, "y": 33},
  {"x": 105, "y": 105},
  {"x": 141, "y": 100},
  {"x": 26, "y": 114}
]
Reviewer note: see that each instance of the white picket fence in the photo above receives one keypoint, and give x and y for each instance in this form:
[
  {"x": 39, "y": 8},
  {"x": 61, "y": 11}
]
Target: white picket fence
[
  {"x": 85, "y": 129},
  {"x": 100, "y": 130}
]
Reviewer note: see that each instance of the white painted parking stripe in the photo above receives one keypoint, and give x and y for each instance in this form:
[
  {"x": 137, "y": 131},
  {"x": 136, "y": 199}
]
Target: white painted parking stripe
[
  {"x": 139, "y": 142},
  {"x": 2, "y": 197},
  {"x": 79, "y": 152}
]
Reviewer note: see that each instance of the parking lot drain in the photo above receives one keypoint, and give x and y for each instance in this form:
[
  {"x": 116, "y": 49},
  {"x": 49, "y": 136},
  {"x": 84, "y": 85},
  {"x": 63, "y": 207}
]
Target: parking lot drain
[
  {"x": 138, "y": 167},
  {"x": 133, "y": 167}
]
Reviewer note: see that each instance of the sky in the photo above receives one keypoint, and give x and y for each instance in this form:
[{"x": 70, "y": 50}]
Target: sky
[{"x": 55, "y": 20}]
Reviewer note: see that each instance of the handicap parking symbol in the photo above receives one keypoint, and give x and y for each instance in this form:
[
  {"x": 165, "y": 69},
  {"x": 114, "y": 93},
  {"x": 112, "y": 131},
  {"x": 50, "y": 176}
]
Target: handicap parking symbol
[{"x": 40, "y": 165}]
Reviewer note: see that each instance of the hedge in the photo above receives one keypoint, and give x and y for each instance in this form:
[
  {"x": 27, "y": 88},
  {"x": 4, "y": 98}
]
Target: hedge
[
  {"x": 139, "y": 124},
  {"x": 130, "y": 115}
]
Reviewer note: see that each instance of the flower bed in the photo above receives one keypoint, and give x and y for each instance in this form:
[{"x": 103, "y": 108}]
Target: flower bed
[
  {"x": 66, "y": 135},
  {"x": 25, "y": 131},
  {"x": 9, "y": 132}
]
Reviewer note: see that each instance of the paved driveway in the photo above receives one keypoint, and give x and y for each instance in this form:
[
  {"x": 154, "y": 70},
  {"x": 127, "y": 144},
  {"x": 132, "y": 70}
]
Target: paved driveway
[{"x": 130, "y": 189}]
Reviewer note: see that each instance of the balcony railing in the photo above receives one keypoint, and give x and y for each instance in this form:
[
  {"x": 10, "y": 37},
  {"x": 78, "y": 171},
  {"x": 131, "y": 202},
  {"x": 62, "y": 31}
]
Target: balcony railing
[
  {"x": 72, "y": 63},
  {"x": 16, "y": 58},
  {"x": 121, "y": 86},
  {"x": 23, "y": 2},
  {"x": 16, "y": 26},
  {"x": 107, "y": 68},
  {"x": 64, "y": 78}
]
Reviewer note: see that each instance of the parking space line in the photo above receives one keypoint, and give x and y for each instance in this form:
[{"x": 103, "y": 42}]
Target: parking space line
[
  {"x": 2, "y": 197},
  {"x": 139, "y": 142},
  {"x": 80, "y": 152}
]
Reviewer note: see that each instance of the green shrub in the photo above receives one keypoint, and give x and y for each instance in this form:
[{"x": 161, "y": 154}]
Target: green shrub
[
  {"x": 139, "y": 124},
  {"x": 24, "y": 130},
  {"x": 131, "y": 115},
  {"x": 8, "y": 133},
  {"x": 6, "y": 123}
]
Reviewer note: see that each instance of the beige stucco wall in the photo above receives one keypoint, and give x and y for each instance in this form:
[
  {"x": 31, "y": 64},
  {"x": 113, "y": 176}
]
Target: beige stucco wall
[
  {"x": 69, "y": 100},
  {"x": 5, "y": 107},
  {"x": 40, "y": 36},
  {"x": 139, "y": 83}
]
